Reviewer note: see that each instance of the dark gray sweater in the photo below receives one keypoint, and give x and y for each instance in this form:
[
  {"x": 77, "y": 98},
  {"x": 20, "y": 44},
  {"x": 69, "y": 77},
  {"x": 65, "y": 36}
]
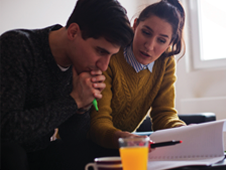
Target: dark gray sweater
[{"x": 34, "y": 91}]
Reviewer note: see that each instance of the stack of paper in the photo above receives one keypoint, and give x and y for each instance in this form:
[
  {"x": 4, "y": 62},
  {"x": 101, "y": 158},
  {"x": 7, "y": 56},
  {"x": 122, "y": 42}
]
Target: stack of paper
[{"x": 202, "y": 145}]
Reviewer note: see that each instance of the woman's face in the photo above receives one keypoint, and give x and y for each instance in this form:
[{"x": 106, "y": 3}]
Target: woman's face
[{"x": 151, "y": 38}]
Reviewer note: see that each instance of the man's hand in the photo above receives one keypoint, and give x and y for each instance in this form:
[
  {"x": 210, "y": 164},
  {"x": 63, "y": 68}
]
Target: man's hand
[{"x": 86, "y": 87}]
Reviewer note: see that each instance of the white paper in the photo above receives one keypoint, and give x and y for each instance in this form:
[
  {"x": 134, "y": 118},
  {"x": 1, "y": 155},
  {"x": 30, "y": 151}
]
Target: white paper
[{"x": 202, "y": 144}]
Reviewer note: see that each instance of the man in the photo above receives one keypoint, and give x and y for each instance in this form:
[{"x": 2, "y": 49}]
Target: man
[{"x": 49, "y": 75}]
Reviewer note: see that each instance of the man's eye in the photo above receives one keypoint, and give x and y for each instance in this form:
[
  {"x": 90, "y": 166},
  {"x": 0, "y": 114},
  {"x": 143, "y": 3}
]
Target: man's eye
[{"x": 101, "y": 52}]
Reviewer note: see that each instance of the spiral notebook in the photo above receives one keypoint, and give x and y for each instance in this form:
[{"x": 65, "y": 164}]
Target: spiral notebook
[{"x": 202, "y": 145}]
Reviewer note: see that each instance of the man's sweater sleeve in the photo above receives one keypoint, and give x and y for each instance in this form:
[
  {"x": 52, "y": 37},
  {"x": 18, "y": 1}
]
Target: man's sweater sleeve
[{"x": 17, "y": 123}]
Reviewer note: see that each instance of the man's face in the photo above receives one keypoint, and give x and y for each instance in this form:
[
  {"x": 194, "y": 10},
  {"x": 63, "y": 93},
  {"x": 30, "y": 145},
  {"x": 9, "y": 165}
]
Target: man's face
[{"x": 90, "y": 54}]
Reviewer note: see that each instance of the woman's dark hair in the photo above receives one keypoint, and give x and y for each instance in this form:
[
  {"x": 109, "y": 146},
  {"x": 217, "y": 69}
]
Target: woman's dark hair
[
  {"x": 102, "y": 18},
  {"x": 172, "y": 12}
]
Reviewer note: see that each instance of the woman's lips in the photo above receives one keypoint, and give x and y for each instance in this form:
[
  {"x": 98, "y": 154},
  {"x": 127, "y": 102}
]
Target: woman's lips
[{"x": 144, "y": 54}]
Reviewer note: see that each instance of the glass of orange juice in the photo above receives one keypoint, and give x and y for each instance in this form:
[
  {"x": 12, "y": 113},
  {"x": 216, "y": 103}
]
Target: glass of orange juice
[{"x": 134, "y": 152}]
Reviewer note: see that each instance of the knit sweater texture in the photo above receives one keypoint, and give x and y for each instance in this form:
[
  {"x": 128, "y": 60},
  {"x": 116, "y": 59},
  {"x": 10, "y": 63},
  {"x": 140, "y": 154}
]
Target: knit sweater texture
[
  {"x": 129, "y": 95},
  {"x": 35, "y": 93}
]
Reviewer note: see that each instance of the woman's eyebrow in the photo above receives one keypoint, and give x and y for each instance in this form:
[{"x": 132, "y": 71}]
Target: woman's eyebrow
[
  {"x": 163, "y": 35},
  {"x": 147, "y": 27}
]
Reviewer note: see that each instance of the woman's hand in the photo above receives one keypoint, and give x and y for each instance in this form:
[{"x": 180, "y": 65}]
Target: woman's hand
[{"x": 121, "y": 134}]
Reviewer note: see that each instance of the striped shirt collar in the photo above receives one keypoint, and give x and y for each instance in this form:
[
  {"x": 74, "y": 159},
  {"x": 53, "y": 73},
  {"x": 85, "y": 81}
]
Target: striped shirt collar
[{"x": 131, "y": 60}]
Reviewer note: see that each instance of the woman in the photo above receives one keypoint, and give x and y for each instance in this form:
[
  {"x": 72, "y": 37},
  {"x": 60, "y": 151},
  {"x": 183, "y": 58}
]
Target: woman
[{"x": 142, "y": 76}]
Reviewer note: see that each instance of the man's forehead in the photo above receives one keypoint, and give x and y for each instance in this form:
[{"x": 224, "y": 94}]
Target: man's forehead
[{"x": 107, "y": 46}]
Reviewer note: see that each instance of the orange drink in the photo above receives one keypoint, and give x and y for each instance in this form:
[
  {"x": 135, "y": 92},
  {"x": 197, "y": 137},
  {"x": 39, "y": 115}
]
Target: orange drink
[
  {"x": 134, "y": 152},
  {"x": 134, "y": 158}
]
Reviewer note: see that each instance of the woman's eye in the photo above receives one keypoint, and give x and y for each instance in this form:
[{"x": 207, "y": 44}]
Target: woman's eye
[
  {"x": 162, "y": 41},
  {"x": 145, "y": 32}
]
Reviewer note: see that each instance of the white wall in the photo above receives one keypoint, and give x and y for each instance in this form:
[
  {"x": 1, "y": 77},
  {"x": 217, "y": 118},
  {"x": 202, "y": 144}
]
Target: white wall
[
  {"x": 33, "y": 13},
  {"x": 42, "y": 13},
  {"x": 199, "y": 90}
]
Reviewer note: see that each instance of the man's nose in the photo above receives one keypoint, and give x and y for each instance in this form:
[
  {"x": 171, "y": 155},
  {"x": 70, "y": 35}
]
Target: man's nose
[{"x": 103, "y": 62}]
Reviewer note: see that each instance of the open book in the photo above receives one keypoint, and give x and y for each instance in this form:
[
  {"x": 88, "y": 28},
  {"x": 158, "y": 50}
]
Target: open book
[{"x": 202, "y": 145}]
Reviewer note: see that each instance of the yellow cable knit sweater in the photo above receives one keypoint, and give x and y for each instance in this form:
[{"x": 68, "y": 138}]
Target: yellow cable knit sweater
[{"x": 129, "y": 95}]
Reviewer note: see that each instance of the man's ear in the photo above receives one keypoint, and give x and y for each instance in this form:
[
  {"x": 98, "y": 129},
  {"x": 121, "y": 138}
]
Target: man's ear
[
  {"x": 135, "y": 24},
  {"x": 73, "y": 31}
]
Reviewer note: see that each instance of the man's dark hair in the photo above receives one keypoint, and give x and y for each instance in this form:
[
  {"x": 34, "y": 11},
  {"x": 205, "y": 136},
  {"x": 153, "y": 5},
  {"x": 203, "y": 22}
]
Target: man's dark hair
[{"x": 102, "y": 18}]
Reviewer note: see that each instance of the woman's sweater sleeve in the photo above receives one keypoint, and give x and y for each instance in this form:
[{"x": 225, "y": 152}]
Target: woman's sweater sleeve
[
  {"x": 163, "y": 113},
  {"x": 101, "y": 127}
]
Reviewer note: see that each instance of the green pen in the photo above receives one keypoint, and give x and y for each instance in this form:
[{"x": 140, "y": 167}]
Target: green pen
[{"x": 95, "y": 104}]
